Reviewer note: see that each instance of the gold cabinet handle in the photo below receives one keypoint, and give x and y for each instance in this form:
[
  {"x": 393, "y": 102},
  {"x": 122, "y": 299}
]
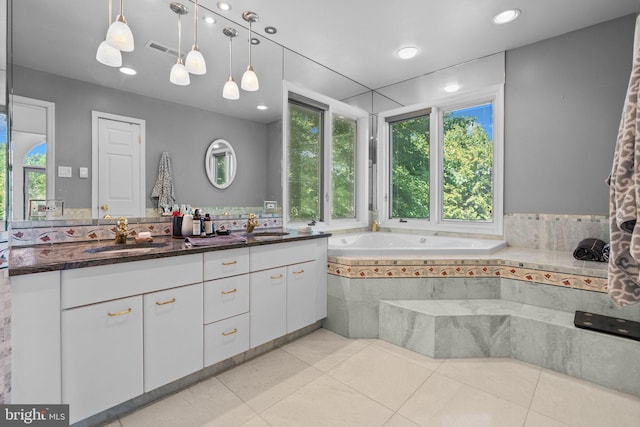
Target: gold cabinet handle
[
  {"x": 229, "y": 263},
  {"x": 298, "y": 272},
  {"x": 233, "y": 291},
  {"x": 171, "y": 301},
  {"x": 104, "y": 207},
  {"x": 226, "y": 334},
  {"x": 279, "y": 276},
  {"x": 120, "y": 313}
]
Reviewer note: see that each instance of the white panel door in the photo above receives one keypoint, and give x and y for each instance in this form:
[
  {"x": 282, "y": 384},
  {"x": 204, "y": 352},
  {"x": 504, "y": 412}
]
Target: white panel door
[
  {"x": 301, "y": 295},
  {"x": 119, "y": 172},
  {"x": 268, "y": 302}
]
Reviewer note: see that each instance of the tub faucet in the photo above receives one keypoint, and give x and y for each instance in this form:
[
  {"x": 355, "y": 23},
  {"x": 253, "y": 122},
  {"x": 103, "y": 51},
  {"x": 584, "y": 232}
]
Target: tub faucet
[
  {"x": 121, "y": 231},
  {"x": 252, "y": 222}
]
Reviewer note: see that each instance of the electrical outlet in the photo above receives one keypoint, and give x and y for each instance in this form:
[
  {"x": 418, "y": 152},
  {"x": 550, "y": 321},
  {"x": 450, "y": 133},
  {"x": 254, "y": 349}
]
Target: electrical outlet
[{"x": 65, "y": 172}]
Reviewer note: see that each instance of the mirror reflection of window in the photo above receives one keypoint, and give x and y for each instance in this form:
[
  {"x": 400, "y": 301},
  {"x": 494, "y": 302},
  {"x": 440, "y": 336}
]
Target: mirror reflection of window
[
  {"x": 35, "y": 176},
  {"x": 220, "y": 163},
  {"x": 3, "y": 156}
]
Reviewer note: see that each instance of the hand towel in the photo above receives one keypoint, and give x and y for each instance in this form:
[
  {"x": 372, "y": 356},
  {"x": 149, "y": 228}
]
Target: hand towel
[
  {"x": 590, "y": 249},
  {"x": 624, "y": 196},
  {"x": 216, "y": 241},
  {"x": 163, "y": 189}
]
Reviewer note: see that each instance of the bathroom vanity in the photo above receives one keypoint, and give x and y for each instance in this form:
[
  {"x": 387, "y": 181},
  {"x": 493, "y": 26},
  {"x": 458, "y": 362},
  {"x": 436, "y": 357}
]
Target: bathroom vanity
[{"x": 98, "y": 329}]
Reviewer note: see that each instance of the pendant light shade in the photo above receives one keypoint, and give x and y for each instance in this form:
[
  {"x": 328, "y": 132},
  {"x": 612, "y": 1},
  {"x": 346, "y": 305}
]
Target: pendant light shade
[
  {"x": 230, "y": 89},
  {"x": 195, "y": 62},
  {"x": 179, "y": 74},
  {"x": 249, "y": 78},
  {"x": 119, "y": 34},
  {"x": 109, "y": 55}
]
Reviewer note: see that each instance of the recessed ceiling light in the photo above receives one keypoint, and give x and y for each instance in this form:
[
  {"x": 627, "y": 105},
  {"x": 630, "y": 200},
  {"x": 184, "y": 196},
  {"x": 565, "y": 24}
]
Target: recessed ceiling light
[
  {"x": 270, "y": 30},
  {"x": 128, "y": 71},
  {"x": 453, "y": 87},
  {"x": 224, "y": 6},
  {"x": 255, "y": 40},
  {"x": 407, "y": 52},
  {"x": 506, "y": 16},
  {"x": 262, "y": 107},
  {"x": 209, "y": 19}
]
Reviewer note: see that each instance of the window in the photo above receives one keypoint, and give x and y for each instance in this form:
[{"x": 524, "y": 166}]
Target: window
[
  {"x": 326, "y": 161},
  {"x": 441, "y": 167}
]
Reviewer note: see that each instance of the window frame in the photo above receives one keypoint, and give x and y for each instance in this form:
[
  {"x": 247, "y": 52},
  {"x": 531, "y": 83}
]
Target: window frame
[
  {"x": 334, "y": 107},
  {"x": 436, "y": 222}
]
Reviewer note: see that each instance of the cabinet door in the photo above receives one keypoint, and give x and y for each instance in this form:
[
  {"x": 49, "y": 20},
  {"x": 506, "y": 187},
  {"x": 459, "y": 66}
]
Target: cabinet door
[
  {"x": 172, "y": 335},
  {"x": 301, "y": 295},
  {"x": 226, "y": 338},
  {"x": 224, "y": 298},
  {"x": 101, "y": 355},
  {"x": 268, "y": 302}
]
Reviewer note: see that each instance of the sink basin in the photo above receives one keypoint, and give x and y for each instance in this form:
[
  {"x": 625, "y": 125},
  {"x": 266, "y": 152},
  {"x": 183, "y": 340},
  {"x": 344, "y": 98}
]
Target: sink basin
[
  {"x": 268, "y": 234},
  {"x": 123, "y": 249}
]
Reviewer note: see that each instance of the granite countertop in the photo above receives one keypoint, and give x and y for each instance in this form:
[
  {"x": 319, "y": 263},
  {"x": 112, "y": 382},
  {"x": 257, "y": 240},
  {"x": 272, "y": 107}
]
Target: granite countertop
[{"x": 65, "y": 256}]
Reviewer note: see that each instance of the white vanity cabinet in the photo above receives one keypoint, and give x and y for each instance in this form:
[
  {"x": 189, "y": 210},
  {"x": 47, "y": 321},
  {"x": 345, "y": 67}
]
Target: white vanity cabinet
[
  {"x": 173, "y": 343},
  {"x": 226, "y": 304},
  {"x": 101, "y": 355},
  {"x": 283, "y": 289}
]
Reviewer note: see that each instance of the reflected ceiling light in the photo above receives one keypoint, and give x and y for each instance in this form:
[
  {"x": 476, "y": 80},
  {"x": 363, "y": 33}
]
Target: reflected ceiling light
[
  {"x": 407, "y": 52},
  {"x": 195, "y": 62},
  {"x": 107, "y": 54},
  {"x": 230, "y": 90},
  {"x": 262, "y": 107},
  {"x": 119, "y": 34},
  {"x": 270, "y": 30},
  {"x": 224, "y": 6},
  {"x": 179, "y": 74},
  {"x": 209, "y": 19},
  {"x": 506, "y": 16},
  {"x": 128, "y": 71},
  {"x": 453, "y": 87},
  {"x": 249, "y": 78}
]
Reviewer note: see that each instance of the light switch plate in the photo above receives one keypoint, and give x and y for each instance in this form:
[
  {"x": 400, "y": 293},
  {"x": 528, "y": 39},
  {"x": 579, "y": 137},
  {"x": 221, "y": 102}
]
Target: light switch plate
[
  {"x": 84, "y": 172},
  {"x": 65, "y": 171}
]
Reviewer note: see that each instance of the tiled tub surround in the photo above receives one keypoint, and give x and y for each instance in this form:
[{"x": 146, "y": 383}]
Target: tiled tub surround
[{"x": 517, "y": 303}]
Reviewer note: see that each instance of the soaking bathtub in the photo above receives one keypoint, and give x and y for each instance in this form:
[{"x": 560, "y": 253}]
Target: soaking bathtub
[{"x": 381, "y": 244}]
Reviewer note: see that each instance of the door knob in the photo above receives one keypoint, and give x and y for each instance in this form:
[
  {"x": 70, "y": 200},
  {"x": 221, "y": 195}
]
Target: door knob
[{"x": 104, "y": 207}]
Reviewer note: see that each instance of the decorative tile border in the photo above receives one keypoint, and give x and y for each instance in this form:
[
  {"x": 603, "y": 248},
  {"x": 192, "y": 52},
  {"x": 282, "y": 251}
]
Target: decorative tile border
[{"x": 457, "y": 268}]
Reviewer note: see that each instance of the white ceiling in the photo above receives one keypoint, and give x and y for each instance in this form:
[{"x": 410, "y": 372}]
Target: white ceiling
[{"x": 355, "y": 38}]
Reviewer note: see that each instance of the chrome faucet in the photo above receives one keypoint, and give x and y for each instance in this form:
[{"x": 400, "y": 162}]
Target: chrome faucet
[
  {"x": 121, "y": 231},
  {"x": 252, "y": 222}
]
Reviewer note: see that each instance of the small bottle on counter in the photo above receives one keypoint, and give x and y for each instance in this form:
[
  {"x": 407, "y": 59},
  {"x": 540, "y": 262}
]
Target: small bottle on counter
[
  {"x": 187, "y": 224},
  {"x": 208, "y": 225},
  {"x": 196, "y": 226}
]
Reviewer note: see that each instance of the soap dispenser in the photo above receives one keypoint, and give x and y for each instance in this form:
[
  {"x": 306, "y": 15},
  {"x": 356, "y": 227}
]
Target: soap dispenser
[{"x": 187, "y": 225}]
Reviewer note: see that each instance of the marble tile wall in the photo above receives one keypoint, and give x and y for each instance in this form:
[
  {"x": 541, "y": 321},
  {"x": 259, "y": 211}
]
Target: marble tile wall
[
  {"x": 553, "y": 232},
  {"x": 5, "y": 338}
]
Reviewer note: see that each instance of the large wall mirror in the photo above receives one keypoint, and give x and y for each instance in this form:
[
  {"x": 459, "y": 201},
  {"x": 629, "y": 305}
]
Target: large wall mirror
[{"x": 59, "y": 67}]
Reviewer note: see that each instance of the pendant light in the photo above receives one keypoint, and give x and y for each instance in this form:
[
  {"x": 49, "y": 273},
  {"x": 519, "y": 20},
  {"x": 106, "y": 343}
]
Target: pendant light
[
  {"x": 195, "y": 61},
  {"x": 179, "y": 74},
  {"x": 119, "y": 34},
  {"x": 249, "y": 78},
  {"x": 230, "y": 90},
  {"x": 107, "y": 54}
]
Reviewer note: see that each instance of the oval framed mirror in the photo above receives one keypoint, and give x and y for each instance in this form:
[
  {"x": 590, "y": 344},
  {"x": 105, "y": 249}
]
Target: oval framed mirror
[{"x": 220, "y": 163}]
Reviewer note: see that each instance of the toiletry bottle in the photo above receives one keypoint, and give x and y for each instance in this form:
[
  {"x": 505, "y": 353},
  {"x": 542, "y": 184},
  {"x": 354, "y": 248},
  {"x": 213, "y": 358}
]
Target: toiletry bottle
[
  {"x": 187, "y": 225},
  {"x": 196, "y": 225},
  {"x": 208, "y": 225}
]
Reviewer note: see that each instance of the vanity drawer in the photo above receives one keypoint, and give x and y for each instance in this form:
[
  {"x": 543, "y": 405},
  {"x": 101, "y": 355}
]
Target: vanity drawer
[
  {"x": 89, "y": 285},
  {"x": 224, "y": 298},
  {"x": 276, "y": 255},
  {"x": 226, "y": 263},
  {"x": 226, "y": 338}
]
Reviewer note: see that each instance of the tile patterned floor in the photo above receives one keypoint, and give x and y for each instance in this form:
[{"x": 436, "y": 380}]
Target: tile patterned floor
[{"x": 324, "y": 379}]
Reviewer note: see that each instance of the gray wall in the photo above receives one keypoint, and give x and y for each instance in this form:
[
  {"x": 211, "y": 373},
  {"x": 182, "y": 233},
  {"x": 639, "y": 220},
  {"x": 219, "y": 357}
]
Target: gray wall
[
  {"x": 563, "y": 101},
  {"x": 183, "y": 131}
]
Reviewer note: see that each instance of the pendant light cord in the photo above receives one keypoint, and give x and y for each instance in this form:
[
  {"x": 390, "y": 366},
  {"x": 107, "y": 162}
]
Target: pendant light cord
[
  {"x": 110, "y": 13},
  {"x": 179, "y": 35},
  {"x": 250, "y": 42},
  {"x": 230, "y": 57},
  {"x": 195, "y": 26}
]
